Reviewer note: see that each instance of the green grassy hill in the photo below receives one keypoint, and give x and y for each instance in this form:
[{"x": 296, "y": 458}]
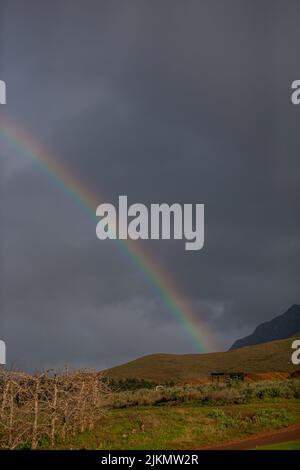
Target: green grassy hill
[{"x": 269, "y": 357}]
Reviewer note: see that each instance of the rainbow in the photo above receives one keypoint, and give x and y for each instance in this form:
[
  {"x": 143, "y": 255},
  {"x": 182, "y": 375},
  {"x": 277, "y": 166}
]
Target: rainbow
[{"x": 169, "y": 293}]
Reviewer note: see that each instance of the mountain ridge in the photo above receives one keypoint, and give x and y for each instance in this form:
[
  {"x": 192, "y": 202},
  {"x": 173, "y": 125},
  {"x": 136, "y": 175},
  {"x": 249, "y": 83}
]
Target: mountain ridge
[{"x": 281, "y": 327}]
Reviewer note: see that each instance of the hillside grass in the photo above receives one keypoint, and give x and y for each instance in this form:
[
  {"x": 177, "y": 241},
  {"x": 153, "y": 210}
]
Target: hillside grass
[{"x": 268, "y": 358}]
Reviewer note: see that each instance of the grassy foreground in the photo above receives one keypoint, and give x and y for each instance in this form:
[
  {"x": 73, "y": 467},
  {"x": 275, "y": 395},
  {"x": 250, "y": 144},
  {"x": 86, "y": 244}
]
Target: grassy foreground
[
  {"x": 292, "y": 445},
  {"x": 185, "y": 426}
]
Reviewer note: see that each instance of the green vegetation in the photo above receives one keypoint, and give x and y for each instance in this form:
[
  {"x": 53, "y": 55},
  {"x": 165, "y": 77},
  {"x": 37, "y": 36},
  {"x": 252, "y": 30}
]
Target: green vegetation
[
  {"x": 186, "y": 426},
  {"x": 131, "y": 384},
  {"x": 291, "y": 445},
  {"x": 213, "y": 394},
  {"x": 160, "y": 368},
  {"x": 190, "y": 417}
]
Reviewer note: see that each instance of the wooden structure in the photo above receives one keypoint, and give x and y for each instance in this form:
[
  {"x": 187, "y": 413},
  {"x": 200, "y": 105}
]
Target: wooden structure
[{"x": 227, "y": 376}]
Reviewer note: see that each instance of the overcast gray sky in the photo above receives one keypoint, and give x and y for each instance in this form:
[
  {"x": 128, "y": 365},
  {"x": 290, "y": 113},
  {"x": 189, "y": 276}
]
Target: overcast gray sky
[{"x": 165, "y": 102}]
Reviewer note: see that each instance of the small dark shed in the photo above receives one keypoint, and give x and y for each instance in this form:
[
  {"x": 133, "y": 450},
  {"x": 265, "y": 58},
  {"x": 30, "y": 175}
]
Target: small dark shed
[{"x": 227, "y": 376}]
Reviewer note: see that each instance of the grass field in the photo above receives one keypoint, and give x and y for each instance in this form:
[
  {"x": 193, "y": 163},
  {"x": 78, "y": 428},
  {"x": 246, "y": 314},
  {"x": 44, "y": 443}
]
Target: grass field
[
  {"x": 264, "y": 358},
  {"x": 292, "y": 445},
  {"x": 186, "y": 426}
]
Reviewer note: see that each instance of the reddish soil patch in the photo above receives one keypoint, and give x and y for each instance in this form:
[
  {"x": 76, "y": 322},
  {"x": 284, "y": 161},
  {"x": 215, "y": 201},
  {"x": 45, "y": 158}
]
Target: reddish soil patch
[{"x": 252, "y": 377}]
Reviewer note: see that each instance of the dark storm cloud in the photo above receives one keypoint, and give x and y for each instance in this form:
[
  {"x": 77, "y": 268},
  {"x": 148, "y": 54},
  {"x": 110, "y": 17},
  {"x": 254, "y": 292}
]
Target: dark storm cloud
[{"x": 163, "y": 102}]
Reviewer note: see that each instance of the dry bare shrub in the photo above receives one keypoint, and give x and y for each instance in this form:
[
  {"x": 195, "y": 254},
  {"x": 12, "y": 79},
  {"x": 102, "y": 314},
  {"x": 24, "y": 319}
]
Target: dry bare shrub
[{"x": 48, "y": 406}]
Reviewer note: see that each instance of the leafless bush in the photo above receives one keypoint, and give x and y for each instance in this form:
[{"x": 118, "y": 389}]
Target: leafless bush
[{"x": 48, "y": 406}]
